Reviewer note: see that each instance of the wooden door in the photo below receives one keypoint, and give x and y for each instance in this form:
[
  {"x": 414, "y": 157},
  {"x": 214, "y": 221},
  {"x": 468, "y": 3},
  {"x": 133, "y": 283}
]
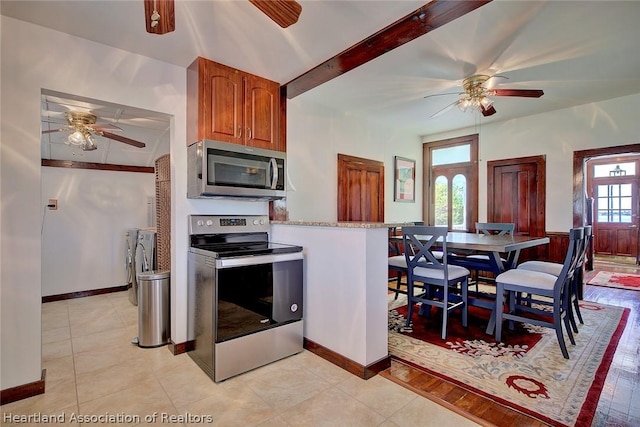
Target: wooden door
[
  {"x": 516, "y": 193},
  {"x": 360, "y": 189},
  {"x": 614, "y": 187}
]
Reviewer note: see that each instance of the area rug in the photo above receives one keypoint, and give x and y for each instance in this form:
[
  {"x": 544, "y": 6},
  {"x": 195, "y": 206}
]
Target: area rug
[
  {"x": 527, "y": 371},
  {"x": 616, "y": 280}
]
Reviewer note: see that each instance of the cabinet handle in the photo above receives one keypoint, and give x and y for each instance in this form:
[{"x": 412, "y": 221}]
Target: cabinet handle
[
  {"x": 249, "y": 136},
  {"x": 239, "y": 131}
]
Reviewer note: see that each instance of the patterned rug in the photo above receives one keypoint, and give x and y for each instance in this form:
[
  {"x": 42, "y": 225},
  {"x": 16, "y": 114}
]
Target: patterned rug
[
  {"x": 527, "y": 371},
  {"x": 616, "y": 280}
]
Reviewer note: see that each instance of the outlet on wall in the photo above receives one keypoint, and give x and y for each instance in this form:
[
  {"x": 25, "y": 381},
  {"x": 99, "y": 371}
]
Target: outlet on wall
[{"x": 53, "y": 204}]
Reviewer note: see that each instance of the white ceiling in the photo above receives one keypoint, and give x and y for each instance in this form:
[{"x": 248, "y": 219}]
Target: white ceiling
[{"x": 578, "y": 52}]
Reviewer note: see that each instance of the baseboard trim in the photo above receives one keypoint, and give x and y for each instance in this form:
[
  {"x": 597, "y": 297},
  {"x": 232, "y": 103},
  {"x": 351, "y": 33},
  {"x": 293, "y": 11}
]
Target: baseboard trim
[
  {"x": 82, "y": 294},
  {"x": 23, "y": 391},
  {"x": 183, "y": 347},
  {"x": 347, "y": 364}
]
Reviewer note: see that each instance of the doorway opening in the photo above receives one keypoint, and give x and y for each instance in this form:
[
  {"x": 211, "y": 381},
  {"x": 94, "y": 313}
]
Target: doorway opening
[{"x": 611, "y": 203}]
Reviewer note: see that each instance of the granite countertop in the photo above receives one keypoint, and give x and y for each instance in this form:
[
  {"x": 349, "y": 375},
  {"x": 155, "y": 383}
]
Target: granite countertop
[{"x": 354, "y": 224}]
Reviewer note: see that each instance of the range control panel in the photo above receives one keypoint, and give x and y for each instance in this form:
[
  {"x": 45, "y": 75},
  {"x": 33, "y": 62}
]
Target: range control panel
[{"x": 212, "y": 224}]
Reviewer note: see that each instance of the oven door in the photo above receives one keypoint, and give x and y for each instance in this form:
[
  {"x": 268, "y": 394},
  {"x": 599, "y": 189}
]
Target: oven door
[{"x": 256, "y": 293}]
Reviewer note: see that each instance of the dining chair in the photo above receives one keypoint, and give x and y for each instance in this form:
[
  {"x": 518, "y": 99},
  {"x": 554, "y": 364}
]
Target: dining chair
[
  {"x": 554, "y": 289},
  {"x": 483, "y": 263},
  {"x": 555, "y": 269},
  {"x": 445, "y": 286},
  {"x": 397, "y": 261}
]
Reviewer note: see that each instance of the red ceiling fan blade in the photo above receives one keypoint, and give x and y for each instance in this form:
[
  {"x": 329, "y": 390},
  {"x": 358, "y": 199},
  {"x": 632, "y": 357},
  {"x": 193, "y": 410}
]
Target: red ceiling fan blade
[
  {"x": 488, "y": 111},
  {"x": 123, "y": 139},
  {"x": 108, "y": 127},
  {"x": 166, "y": 21},
  {"x": 282, "y": 12},
  {"x": 527, "y": 93},
  {"x": 54, "y": 130}
]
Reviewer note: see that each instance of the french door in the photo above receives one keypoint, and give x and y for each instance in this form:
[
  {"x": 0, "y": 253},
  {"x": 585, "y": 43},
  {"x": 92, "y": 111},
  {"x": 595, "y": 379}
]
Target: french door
[{"x": 614, "y": 188}]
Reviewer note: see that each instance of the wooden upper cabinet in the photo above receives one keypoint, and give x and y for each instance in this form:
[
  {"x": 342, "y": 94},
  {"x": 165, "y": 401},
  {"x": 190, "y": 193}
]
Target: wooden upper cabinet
[{"x": 229, "y": 105}]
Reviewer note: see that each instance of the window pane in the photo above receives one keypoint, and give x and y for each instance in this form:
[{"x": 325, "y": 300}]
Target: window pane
[
  {"x": 449, "y": 155},
  {"x": 441, "y": 201},
  {"x": 625, "y": 189},
  {"x": 603, "y": 191},
  {"x": 459, "y": 202},
  {"x": 600, "y": 171}
]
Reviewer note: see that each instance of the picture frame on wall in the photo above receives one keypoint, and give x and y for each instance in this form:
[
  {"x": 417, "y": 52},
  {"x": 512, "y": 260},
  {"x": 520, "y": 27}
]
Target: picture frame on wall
[{"x": 404, "y": 188}]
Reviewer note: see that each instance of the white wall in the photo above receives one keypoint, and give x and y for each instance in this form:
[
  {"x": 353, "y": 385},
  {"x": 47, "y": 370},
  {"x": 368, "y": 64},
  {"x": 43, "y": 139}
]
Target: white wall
[
  {"x": 83, "y": 240},
  {"x": 315, "y": 136},
  {"x": 34, "y": 58},
  {"x": 556, "y": 135}
]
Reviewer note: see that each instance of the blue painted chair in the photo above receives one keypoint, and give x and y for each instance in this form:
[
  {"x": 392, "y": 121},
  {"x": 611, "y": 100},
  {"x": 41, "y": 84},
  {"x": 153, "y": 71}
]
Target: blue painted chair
[
  {"x": 481, "y": 260},
  {"x": 445, "y": 286},
  {"x": 554, "y": 290},
  {"x": 555, "y": 269},
  {"x": 397, "y": 262}
]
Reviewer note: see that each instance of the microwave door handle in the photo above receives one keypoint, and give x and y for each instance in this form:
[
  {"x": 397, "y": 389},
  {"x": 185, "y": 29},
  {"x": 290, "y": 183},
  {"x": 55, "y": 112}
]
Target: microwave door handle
[{"x": 273, "y": 165}]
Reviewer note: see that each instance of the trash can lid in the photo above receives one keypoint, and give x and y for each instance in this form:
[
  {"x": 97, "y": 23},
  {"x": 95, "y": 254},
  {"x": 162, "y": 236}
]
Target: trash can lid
[{"x": 154, "y": 275}]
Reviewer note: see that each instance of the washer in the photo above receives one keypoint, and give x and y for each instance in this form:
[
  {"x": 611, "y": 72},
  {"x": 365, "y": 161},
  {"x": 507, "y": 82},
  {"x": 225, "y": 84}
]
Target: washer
[
  {"x": 145, "y": 258},
  {"x": 130, "y": 243}
]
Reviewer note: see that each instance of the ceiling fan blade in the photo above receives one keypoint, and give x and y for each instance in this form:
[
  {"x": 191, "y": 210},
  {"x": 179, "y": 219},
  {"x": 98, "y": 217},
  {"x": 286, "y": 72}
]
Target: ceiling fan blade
[
  {"x": 124, "y": 139},
  {"x": 447, "y": 108},
  {"x": 282, "y": 12},
  {"x": 54, "y": 130},
  {"x": 108, "y": 127},
  {"x": 448, "y": 93},
  {"x": 488, "y": 111},
  {"x": 527, "y": 93},
  {"x": 166, "y": 21}
]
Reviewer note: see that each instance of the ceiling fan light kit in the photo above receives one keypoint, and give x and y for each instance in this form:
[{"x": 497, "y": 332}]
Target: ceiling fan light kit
[{"x": 476, "y": 96}]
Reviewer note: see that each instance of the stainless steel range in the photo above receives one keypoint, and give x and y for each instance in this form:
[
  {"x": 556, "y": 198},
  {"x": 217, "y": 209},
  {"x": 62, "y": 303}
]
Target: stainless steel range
[{"x": 245, "y": 295}]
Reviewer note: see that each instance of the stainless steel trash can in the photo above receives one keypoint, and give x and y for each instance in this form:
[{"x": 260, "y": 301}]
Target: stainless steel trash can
[{"x": 153, "y": 308}]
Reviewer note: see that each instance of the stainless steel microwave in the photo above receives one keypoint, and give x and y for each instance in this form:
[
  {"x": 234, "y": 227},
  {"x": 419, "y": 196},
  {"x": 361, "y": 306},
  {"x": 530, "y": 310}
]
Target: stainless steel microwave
[{"x": 222, "y": 170}]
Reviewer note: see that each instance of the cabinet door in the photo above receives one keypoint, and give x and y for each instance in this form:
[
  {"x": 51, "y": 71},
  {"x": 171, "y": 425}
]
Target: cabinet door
[
  {"x": 222, "y": 103},
  {"x": 261, "y": 112}
]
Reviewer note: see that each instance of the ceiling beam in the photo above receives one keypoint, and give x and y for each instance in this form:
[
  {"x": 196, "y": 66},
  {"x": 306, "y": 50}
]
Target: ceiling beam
[{"x": 419, "y": 22}]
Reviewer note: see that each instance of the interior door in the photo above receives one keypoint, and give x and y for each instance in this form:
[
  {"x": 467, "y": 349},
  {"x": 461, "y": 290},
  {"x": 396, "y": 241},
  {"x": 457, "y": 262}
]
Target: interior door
[
  {"x": 614, "y": 185},
  {"x": 516, "y": 193},
  {"x": 360, "y": 189}
]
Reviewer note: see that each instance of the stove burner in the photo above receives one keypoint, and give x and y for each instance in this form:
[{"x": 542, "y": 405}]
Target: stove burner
[{"x": 227, "y": 250}]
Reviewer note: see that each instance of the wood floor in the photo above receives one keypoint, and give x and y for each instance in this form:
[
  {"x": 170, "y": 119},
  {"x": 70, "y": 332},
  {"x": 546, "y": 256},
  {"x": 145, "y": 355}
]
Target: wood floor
[{"x": 619, "y": 403}]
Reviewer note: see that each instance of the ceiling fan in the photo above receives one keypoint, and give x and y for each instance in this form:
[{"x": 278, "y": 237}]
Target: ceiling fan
[
  {"x": 161, "y": 19},
  {"x": 82, "y": 127},
  {"x": 477, "y": 96}
]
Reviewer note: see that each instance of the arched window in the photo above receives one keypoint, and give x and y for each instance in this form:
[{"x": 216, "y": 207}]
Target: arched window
[{"x": 451, "y": 193}]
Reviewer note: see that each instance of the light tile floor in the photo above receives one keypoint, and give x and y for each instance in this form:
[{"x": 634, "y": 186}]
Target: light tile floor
[{"x": 93, "y": 370}]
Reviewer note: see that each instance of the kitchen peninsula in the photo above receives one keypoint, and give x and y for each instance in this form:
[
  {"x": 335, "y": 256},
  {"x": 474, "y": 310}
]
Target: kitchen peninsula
[{"x": 345, "y": 288}]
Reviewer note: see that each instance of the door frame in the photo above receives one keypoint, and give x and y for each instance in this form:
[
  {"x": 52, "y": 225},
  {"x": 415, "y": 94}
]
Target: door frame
[{"x": 579, "y": 183}]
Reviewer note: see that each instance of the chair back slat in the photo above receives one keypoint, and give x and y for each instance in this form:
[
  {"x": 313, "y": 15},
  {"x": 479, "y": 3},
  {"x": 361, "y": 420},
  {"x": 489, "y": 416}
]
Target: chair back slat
[
  {"x": 496, "y": 228},
  {"x": 576, "y": 239},
  {"x": 422, "y": 240}
]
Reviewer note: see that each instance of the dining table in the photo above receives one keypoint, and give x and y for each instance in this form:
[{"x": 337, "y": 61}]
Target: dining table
[{"x": 502, "y": 251}]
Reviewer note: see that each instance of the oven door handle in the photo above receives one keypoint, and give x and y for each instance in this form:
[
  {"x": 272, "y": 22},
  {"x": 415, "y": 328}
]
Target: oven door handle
[{"x": 256, "y": 259}]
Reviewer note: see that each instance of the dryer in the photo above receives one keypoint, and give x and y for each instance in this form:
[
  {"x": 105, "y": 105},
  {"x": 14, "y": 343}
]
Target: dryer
[{"x": 145, "y": 258}]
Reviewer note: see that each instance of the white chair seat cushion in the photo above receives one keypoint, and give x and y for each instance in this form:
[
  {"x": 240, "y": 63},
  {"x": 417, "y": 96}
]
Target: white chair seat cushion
[
  {"x": 437, "y": 254},
  {"x": 552, "y": 268},
  {"x": 527, "y": 278},
  {"x": 483, "y": 257},
  {"x": 455, "y": 272},
  {"x": 398, "y": 261}
]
